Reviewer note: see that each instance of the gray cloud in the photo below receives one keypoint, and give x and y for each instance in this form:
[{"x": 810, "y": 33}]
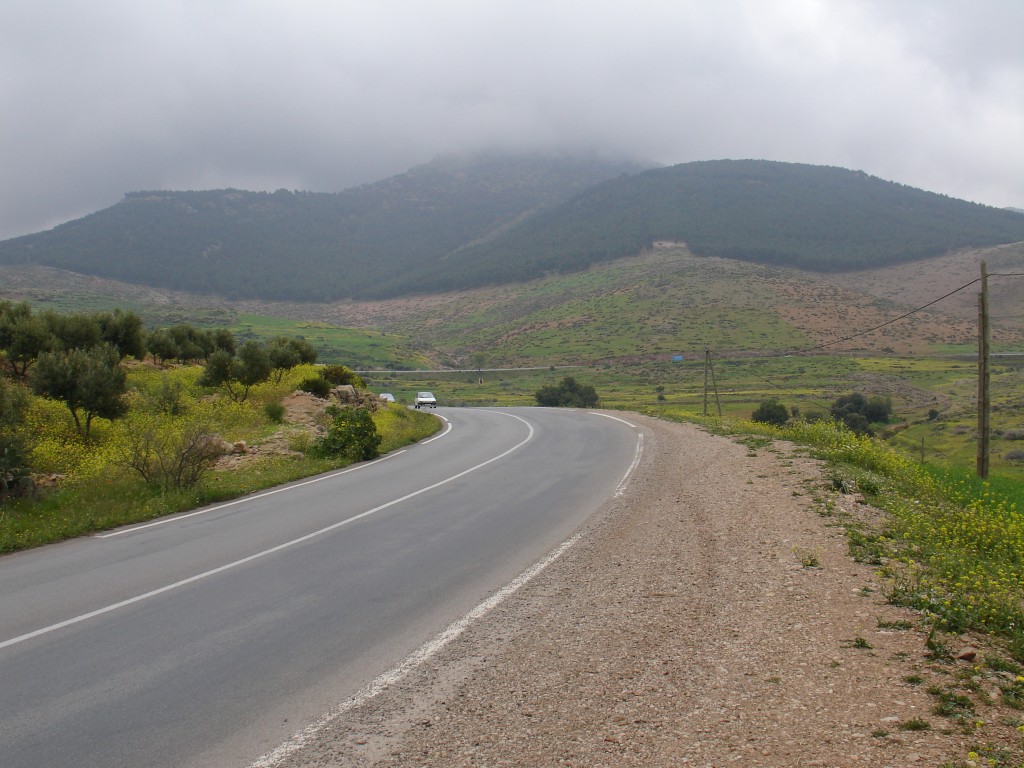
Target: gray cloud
[{"x": 112, "y": 96}]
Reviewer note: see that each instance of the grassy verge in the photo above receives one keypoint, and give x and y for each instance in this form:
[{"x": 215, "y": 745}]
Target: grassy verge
[
  {"x": 97, "y": 493},
  {"x": 953, "y": 547}
]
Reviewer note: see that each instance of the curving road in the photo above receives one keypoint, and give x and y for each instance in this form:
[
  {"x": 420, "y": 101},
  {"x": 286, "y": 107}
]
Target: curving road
[{"x": 207, "y": 639}]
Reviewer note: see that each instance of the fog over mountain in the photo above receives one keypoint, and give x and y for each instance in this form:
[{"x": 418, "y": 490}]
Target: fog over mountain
[{"x": 109, "y": 97}]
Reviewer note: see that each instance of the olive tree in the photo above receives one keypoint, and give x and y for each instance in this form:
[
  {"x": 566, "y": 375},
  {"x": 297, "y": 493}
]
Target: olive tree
[
  {"x": 90, "y": 383},
  {"x": 236, "y": 376},
  {"x": 14, "y": 401},
  {"x": 123, "y": 329},
  {"x": 73, "y": 331},
  {"x": 25, "y": 338},
  {"x": 287, "y": 352}
]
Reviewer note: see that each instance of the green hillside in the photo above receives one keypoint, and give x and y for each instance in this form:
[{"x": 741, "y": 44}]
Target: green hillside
[
  {"x": 497, "y": 220},
  {"x": 781, "y": 214},
  {"x": 308, "y": 246}
]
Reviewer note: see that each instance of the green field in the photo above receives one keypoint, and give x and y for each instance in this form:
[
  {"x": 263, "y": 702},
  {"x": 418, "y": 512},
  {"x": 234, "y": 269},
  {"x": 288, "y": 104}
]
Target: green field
[
  {"x": 656, "y": 305},
  {"x": 917, "y": 387},
  {"x": 356, "y": 348},
  {"x": 617, "y": 327}
]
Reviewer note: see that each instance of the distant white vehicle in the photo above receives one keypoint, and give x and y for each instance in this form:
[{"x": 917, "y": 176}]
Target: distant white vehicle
[
  {"x": 425, "y": 400},
  {"x": 387, "y": 397}
]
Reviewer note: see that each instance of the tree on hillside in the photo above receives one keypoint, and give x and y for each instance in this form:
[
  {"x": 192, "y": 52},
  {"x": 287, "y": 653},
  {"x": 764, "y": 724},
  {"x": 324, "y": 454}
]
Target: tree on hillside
[
  {"x": 184, "y": 343},
  {"x": 191, "y": 343},
  {"x": 222, "y": 338},
  {"x": 90, "y": 383},
  {"x": 287, "y": 352},
  {"x": 14, "y": 401},
  {"x": 73, "y": 331},
  {"x": 479, "y": 359},
  {"x": 237, "y": 375},
  {"x": 161, "y": 346},
  {"x": 10, "y": 314},
  {"x": 25, "y": 338},
  {"x": 123, "y": 329},
  {"x": 567, "y": 394}
]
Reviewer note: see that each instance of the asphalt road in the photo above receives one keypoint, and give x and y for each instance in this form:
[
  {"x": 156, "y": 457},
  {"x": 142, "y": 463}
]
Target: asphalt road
[{"x": 209, "y": 638}]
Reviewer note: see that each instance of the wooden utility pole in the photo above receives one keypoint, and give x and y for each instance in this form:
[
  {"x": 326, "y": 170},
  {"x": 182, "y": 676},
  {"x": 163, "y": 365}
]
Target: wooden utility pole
[
  {"x": 984, "y": 376},
  {"x": 709, "y": 366},
  {"x": 714, "y": 385},
  {"x": 707, "y": 361}
]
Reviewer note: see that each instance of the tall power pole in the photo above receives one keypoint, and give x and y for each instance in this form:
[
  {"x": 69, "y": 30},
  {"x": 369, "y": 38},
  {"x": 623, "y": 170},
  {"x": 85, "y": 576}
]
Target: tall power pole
[
  {"x": 707, "y": 361},
  {"x": 984, "y": 376},
  {"x": 709, "y": 366}
]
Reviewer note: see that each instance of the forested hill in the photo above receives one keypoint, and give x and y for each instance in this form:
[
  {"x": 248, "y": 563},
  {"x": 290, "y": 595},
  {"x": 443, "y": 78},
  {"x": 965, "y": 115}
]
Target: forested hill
[
  {"x": 783, "y": 214},
  {"x": 310, "y": 246},
  {"x": 453, "y": 225}
]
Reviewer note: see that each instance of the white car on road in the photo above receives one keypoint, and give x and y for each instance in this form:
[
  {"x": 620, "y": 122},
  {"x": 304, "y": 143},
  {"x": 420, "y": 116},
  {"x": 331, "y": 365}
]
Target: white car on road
[{"x": 425, "y": 400}]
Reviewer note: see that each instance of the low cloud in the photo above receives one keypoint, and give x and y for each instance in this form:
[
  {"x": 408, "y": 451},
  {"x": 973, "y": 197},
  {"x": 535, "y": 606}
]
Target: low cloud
[{"x": 109, "y": 97}]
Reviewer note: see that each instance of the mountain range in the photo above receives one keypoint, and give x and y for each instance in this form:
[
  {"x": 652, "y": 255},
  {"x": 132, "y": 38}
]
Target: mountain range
[{"x": 462, "y": 223}]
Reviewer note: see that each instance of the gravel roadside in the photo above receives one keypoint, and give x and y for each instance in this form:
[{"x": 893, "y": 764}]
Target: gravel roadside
[{"x": 710, "y": 616}]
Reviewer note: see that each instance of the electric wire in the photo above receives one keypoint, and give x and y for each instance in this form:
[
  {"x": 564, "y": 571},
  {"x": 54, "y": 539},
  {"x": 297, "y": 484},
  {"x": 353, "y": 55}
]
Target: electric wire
[
  {"x": 887, "y": 322},
  {"x": 810, "y": 399}
]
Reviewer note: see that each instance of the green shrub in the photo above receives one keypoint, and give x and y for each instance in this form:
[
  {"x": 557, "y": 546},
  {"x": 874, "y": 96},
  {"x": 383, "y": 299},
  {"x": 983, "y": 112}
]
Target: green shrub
[
  {"x": 168, "y": 454},
  {"x": 771, "y": 412},
  {"x": 567, "y": 394},
  {"x": 316, "y": 385},
  {"x": 339, "y": 375},
  {"x": 858, "y": 412},
  {"x": 274, "y": 412},
  {"x": 352, "y": 434}
]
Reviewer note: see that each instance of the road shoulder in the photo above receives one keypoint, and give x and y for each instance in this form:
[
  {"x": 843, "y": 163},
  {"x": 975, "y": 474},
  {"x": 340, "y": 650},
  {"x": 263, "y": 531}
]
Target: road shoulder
[{"x": 710, "y": 615}]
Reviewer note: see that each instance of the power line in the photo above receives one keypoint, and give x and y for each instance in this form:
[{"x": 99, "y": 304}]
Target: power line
[
  {"x": 810, "y": 399},
  {"x": 888, "y": 322},
  {"x": 896, "y": 319}
]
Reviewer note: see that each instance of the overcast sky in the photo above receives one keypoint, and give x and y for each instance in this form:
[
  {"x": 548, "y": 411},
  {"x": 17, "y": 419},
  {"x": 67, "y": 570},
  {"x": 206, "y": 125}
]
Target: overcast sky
[{"x": 104, "y": 97}]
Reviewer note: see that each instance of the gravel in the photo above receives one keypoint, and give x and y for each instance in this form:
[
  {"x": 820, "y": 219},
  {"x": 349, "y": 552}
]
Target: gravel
[{"x": 709, "y": 616}]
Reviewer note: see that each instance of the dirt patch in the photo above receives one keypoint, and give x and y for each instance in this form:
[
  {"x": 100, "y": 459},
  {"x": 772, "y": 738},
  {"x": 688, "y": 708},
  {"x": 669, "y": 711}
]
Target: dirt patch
[
  {"x": 303, "y": 421},
  {"x": 829, "y": 314}
]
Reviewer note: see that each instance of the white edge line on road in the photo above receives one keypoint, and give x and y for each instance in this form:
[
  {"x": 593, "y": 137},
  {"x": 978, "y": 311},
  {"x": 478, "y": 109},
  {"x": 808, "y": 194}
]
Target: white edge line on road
[
  {"x": 621, "y": 489},
  {"x": 264, "y": 553},
  {"x": 414, "y": 660},
  {"x": 614, "y": 418},
  {"x": 447, "y": 429},
  {"x": 624, "y": 483},
  {"x": 282, "y": 489},
  {"x": 432, "y": 647},
  {"x": 243, "y": 499}
]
